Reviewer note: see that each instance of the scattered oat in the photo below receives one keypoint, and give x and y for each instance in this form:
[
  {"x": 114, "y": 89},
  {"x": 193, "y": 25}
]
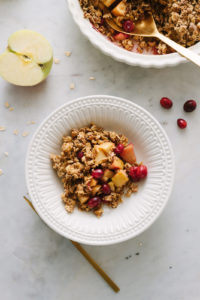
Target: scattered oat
[
  {"x": 140, "y": 244},
  {"x": 2, "y": 128},
  {"x": 56, "y": 61},
  {"x": 137, "y": 253},
  {"x": 72, "y": 86},
  {"x": 31, "y": 122},
  {"x": 25, "y": 133},
  {"x": 11, "y": 108},
  {"x": 6, "y": 104},
  {"x": 6, "y": 154},
  {"x": 16, "y": 132},
  {"x": 68, "y": 53},
  {"x": 92, "y": 78},
  {"x": 1, "y": 172}
]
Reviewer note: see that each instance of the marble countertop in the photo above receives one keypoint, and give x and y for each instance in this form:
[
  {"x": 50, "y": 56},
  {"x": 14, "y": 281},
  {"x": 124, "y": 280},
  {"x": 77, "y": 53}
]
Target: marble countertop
[{"x": 36, "y": 263}]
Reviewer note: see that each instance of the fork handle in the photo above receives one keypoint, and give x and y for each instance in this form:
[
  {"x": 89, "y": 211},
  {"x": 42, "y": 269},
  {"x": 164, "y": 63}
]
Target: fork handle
[{"x": 190, "y": 55}]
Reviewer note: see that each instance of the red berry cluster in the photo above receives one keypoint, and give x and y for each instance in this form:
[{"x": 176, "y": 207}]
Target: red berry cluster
[{"x": 188, "y": 106}]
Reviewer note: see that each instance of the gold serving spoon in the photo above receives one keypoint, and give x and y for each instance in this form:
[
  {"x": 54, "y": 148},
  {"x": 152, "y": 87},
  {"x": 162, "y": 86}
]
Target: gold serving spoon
[{"x": 148, "y": 28}]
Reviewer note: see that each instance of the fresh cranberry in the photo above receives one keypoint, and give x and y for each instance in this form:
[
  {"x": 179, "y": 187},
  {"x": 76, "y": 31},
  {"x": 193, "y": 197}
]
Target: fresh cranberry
[
  {"x": 102, "y": 22},
  {"x": 80, "y": 154},
  {"x": 155, "y": 51},
  {"x": 93, "y": 202},
  {"x": 118, "y": 150},
  {"x": 190, "y": 105},
  {"x": 106, "y": 189},
  {"x": 141, "y": 172},
  {"x": 166, "y": 102},
  {"x": 133, "y": 173},
  {"x": 181, "y": 123},
  {"x": 128, "y": 26},
  {"x": 97, "y": 174}
]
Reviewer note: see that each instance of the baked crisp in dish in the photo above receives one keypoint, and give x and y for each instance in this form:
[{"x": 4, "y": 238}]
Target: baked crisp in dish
[
  {"x": 96, "y": 168},
  {"x": 177, "y": 19}
]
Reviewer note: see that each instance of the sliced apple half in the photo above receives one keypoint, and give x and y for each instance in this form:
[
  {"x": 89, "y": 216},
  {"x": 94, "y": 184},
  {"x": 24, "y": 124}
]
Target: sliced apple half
[{"x": 27, "y": 60}]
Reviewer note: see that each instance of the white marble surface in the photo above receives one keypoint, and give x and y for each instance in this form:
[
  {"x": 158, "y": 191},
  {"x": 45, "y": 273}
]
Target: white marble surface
[{"x": 36, "y": 263}]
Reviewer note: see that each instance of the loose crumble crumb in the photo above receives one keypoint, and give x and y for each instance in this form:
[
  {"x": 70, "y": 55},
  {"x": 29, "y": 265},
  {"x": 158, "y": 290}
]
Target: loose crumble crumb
[
  {"x": 25, "y": 133},
  {"x": 1, "y": 172},
  {"x": 6, "y": 154},
  {"x": 15, "y": 132},
  {"x": 92, "y": 78},
  {"x": 68, "y": 53},
  {"x": 72, "y": 86},
  {"x": 2, "y": 128},
  {"x": 31, "y": 122},
  {"x": 56, "y": 61},
  {"x": 11, "y": 108},
  {"x": 7, "y": 105}
]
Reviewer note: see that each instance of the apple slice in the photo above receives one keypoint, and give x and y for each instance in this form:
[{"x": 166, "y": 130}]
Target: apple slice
[
  {"x": 106, "y": 147},
  {"x": 120, "y": 178},
  {"x": 128, "y": 154},
  {"x": 117, "y": 163},
  {"x": 27, "y": 60}
]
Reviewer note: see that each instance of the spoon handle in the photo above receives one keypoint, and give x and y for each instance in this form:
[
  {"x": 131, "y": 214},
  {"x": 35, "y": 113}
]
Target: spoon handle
[{"x": 190, "y": 55}]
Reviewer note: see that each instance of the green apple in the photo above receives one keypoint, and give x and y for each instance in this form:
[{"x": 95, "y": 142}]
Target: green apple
[{"x": 27, "y": 60}]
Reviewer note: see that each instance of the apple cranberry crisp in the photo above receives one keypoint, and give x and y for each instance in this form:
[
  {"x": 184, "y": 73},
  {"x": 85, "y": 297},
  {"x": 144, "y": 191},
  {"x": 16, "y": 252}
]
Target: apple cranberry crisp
[
  {"x": 96, "y": 167},
  {"x": 177, "y": 19}
]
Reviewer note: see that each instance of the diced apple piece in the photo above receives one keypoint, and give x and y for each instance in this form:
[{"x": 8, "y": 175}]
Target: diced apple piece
[
  {"x": 93, "y": 182},
  {"x": 112, "y": 186},
  {"x": 128, "y": 154},
  {"x": 117, "y": 163},
  {"x": 106, "y": 147},
  {"x": 99, "y": 157},
  {"x": 96, "y": 189},
  {"x": 107, "y": 175},
  {"x": 120, "y": 9},
  {"x": 83, "y": 199},
  {"x": 120, "y": 178},
  {"x": 108, "y": 2}
]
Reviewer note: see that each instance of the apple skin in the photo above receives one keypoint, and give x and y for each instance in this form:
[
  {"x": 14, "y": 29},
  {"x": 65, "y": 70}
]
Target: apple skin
[{"x": 128, "y": 154}]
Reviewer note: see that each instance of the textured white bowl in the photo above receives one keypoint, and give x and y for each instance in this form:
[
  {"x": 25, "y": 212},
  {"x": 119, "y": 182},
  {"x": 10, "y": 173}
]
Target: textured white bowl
[
  {"x": 118, "y": 53},
  {"x": 136, "y": 213}
]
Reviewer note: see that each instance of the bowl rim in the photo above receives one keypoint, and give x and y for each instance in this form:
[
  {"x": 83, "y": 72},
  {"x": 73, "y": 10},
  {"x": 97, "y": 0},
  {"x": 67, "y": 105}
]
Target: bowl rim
[
  {"x": 82, "y": 240},
  {"x": 120, "y": 54}
]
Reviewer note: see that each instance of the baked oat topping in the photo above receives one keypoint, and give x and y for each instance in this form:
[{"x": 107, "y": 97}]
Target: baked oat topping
[
  {"x": 95, "y": 169},
  {"x": 177, "y": 19}
]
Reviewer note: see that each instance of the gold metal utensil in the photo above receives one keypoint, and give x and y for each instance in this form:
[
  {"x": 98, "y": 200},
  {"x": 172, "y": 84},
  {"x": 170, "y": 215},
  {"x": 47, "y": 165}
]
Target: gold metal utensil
[
  {"x": 109, "y": 281},
  {"x": 148, "y": 28}
]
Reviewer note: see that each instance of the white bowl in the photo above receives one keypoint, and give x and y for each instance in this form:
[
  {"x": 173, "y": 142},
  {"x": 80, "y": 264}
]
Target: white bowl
[
  {"x": 136, "y": 213},
  {"x": 118, "y": 53}
]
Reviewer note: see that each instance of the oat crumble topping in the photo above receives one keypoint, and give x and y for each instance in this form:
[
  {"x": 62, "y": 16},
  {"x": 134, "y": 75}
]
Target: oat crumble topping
[
  {"x": 177, "y": 19},
  {"x": 91, "y": 172}
]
